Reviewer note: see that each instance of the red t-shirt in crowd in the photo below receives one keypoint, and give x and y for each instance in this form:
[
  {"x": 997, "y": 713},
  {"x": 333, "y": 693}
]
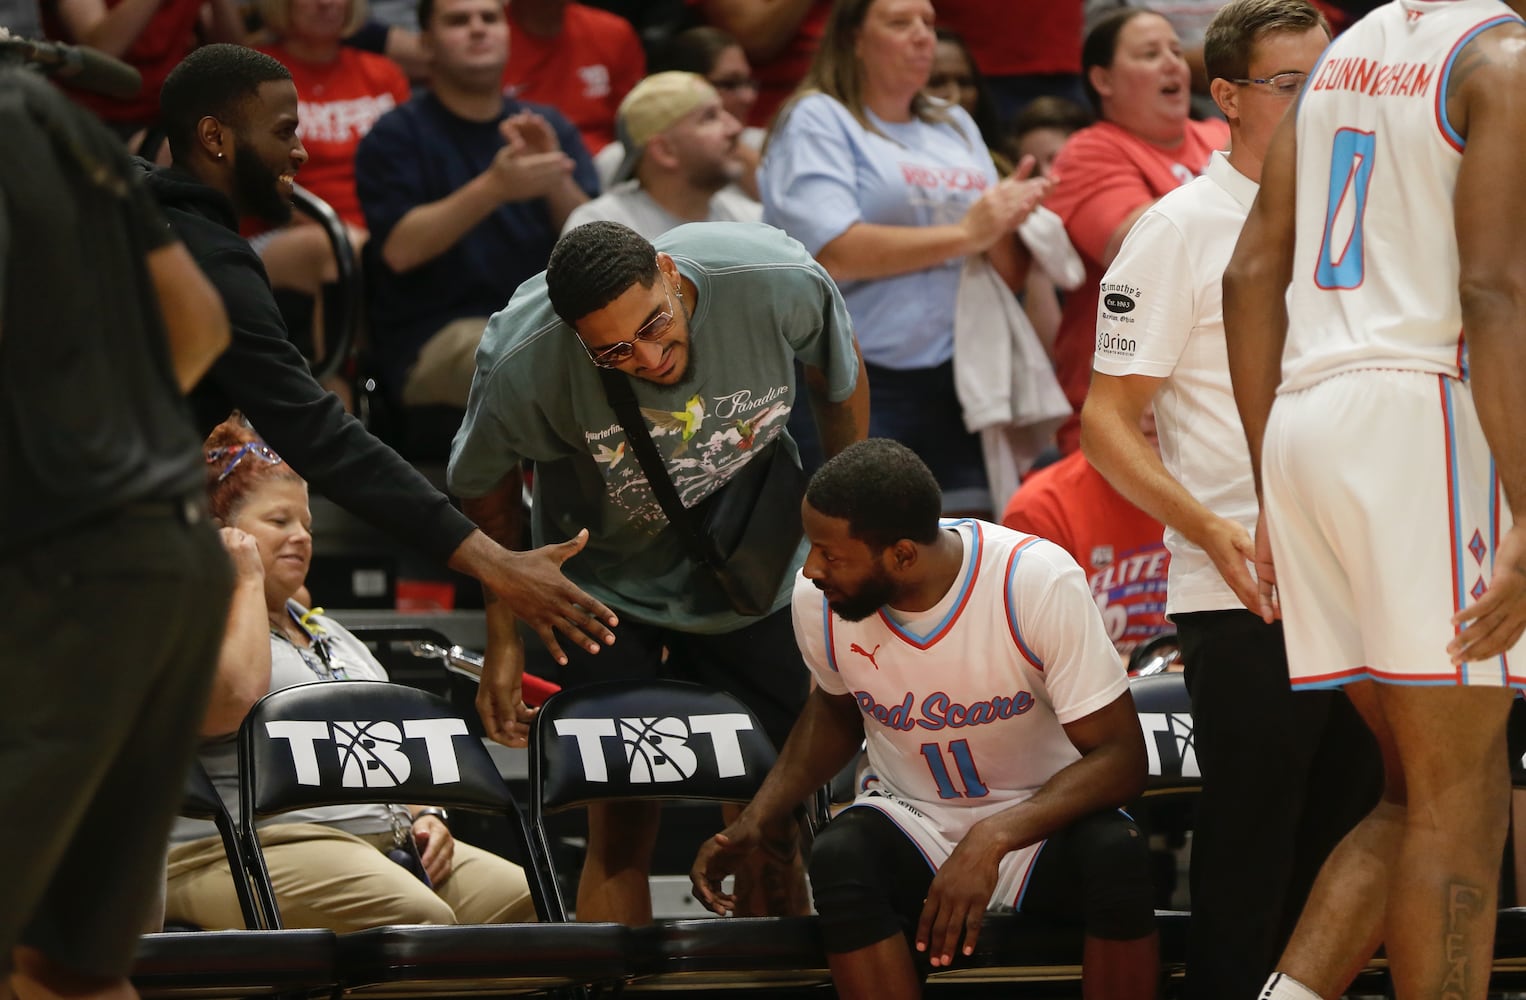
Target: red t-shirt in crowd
[
  {"x": 1018, "y": 37},
  {"x": 584, "y": 72},
  {"x": 1102, "y": 174},
  {"x": 1118, "y": 545},
  {"x": 169, "y": 37},
  {"x": 778, "y": 77},
  {"x": 337, "y": 103}
]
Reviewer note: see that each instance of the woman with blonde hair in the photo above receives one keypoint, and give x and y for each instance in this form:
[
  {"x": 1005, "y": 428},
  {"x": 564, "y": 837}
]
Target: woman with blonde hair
[{"x": 891, "y": 190}]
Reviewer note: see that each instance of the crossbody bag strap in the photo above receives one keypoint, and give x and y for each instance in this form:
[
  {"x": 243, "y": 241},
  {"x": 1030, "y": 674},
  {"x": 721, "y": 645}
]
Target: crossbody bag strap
[{"x": 622, "y": 399}]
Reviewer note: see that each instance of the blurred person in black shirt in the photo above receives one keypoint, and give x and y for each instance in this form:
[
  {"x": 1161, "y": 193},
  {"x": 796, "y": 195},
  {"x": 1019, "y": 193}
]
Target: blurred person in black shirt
[{"x": 104, "y": 322}]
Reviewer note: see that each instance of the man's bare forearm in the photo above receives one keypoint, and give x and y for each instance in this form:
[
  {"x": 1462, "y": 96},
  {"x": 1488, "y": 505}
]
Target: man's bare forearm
[{"x": 839, "y": 424}]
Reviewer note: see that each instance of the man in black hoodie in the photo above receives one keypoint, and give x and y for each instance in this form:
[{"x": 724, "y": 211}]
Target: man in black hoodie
[{"x": 230, "y": 114}]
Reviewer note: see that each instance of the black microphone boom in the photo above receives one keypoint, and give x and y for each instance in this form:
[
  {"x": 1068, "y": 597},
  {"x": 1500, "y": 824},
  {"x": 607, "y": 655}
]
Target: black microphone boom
[{"x": 78, "y": 65}]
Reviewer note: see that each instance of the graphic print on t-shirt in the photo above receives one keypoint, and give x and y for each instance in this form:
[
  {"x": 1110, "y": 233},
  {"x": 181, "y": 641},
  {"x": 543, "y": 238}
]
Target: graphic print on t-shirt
[
  {"x": 703, "y": 444},
  {"x": 1130, "y": 590}
]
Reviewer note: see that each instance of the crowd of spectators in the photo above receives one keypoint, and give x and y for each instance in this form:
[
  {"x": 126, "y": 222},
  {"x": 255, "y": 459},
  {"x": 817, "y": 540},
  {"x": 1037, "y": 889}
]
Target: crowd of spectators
[{"x": 467, "y": 141}]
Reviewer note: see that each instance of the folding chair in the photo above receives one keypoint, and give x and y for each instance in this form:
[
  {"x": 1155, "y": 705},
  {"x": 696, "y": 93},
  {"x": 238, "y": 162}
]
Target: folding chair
[
  {"x": 665, "y": 741},
  {"x": 250, "y": 962},
  {"x": 301, "y": 747}
]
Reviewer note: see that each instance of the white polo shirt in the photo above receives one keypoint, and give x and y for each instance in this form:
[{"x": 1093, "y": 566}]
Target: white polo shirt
[{"x": 1161, "y": 314}]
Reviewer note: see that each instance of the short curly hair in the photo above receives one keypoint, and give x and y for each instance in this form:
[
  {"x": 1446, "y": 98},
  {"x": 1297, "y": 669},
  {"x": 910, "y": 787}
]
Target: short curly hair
[
  {"x": 883, "y": 490},
  {"x": 594, "y": 264}
]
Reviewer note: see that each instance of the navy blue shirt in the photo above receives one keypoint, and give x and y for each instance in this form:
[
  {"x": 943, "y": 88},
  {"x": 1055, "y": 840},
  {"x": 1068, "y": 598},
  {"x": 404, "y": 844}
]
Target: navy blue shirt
[{"x": 417, "y": 154}]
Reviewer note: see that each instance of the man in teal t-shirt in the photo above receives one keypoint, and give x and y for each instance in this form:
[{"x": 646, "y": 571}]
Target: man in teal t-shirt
[{"x": 707, "y": 325}]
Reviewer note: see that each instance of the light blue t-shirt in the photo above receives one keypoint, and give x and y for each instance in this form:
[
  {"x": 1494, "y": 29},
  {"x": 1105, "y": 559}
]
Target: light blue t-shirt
[
  {"x": 761, "y": 302},
  {"x": 823, "y": 172}
]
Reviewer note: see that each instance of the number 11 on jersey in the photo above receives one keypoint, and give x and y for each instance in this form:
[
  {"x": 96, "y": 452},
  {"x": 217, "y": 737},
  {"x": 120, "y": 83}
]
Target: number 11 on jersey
[{"x": 964, "y": 762}]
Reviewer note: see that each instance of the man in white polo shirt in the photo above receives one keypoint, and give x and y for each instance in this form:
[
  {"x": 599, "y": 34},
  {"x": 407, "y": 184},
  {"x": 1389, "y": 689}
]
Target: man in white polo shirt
[
  {"x": 680, "y": 160},
  {"x": 1272, "y": 807}
]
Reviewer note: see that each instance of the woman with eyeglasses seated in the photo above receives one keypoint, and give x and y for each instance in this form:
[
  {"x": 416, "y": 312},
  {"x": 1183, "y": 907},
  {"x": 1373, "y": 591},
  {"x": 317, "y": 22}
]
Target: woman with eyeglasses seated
[{"x": 331, "y": 867}]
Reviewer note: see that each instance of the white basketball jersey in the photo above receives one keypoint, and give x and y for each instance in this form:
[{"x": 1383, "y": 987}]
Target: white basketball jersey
[
  {"x": 964, "y": 707},
  {"x": 1375, "y": 267}
]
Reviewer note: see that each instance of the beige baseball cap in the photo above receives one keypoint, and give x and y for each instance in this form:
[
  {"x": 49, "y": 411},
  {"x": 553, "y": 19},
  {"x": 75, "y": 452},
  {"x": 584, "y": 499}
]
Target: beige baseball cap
[{"x": 653, "y": 106}]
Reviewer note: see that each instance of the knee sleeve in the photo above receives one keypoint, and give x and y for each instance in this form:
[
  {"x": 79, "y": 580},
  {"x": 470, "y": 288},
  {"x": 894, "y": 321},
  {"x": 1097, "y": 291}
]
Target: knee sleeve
[
  {"x": 864, "y": 882},
  {"x": 1116, "y": 890}
]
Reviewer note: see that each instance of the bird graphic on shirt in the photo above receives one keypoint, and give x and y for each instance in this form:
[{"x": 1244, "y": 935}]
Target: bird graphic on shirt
[
  {"x": 747, "y": 430},
  {"x": 684, "y": 422},
  {"x": 610, "y": 456}
]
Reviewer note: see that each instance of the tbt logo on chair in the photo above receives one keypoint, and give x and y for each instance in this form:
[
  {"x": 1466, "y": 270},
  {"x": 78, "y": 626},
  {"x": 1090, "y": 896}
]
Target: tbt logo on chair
[
  {"x": 658, "y": 749},
  {"x": 371, "y": 754}
]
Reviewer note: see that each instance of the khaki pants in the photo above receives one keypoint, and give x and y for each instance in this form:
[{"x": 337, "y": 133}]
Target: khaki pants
[
  {"x": 326, "y": 878},
  {"x": 442, "y": 376}
]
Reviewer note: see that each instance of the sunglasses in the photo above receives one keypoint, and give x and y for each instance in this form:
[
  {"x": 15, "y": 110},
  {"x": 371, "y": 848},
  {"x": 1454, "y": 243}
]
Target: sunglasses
[
  {"x": 616, "y": 354},
  {"x": 235, "y": 455}
]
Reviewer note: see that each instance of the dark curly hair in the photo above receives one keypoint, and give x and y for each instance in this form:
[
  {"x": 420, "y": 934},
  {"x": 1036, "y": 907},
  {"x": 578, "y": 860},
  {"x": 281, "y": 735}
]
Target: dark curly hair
[
  {"x": 594, "y": 264},
  {"x": 883, "y": 490},
  {"x": 232, "y": 474}
]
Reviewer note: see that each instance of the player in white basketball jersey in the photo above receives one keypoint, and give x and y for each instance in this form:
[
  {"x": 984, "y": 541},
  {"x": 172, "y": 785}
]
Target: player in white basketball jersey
[
  {"x": 1392, "y": 206},
  {"x": 972, "y": 663}
]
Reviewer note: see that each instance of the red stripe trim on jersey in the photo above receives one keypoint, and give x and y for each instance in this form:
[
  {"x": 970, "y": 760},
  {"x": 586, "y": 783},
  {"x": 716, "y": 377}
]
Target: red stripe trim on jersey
[
  {"x": 967, "y": 588},
  {"x": 1360, "y": 673},
  {"x": 1443, "y": 124},
  {"x": 1017, "y": 636},
  {"x": 1450, "y": 471}
]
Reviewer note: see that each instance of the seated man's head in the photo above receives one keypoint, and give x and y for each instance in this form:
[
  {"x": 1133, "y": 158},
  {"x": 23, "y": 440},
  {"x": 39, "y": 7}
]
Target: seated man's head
[
  {"x": 625, "y": 300},
  {"x": 869, "y": 513},
  {"x": 250, "y": 488},
  {"x": 230, "y": 115},
  {"x": 467, "y": 43},
  {"x": 674, "y": 128}
]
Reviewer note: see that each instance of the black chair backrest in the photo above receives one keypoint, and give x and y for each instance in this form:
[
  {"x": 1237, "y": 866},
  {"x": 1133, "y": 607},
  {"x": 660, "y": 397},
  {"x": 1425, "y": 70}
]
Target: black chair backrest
[
  {"x": 645, "y": 740},
  {"x": 200, "y": 800},
  {"x": 343, "y": 742},
  {"x": 338, "y": 742},
  {"x": 1165, "y": 715}
]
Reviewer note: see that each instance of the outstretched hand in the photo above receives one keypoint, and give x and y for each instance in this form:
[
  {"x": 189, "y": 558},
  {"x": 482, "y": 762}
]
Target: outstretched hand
[
  {"x": 532, "y": 585},
  {"x": 1493, "y": 624}
]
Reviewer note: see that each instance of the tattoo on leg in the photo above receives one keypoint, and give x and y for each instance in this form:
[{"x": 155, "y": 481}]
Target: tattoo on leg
[{"x": 1464, "y": 904}]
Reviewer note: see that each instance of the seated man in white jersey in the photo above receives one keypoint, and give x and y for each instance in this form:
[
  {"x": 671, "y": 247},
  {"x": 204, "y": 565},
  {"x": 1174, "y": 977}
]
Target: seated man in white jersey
[
  {"x": 1001, "y": 736},
  {"x": 680, "y": 161},
  {"x": 1378, "y": 294},
  {"x": 1160, "y": 340}
]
